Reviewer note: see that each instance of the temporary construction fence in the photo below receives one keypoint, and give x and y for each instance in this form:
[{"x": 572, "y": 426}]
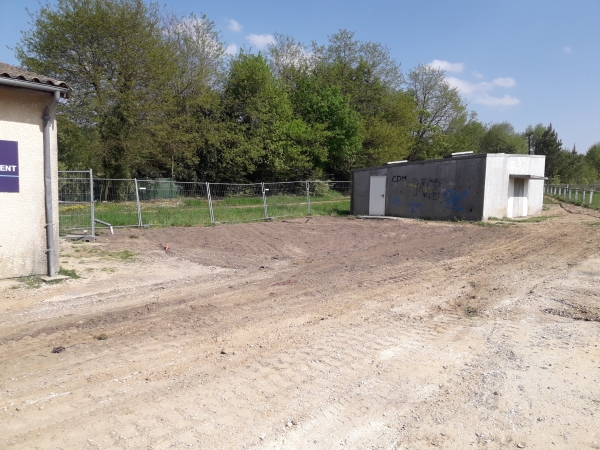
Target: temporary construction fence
[
  {"x": 86, "y": 203},
  {"x": 587, "y": 195}
]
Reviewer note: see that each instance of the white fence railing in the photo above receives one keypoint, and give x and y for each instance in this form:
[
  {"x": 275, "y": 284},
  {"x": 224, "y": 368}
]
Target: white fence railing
[{"x": 583, "y": 194}]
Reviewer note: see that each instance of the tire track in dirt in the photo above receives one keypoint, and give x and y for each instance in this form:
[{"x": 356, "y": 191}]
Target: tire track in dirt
[{"x": 330, "y": 353}]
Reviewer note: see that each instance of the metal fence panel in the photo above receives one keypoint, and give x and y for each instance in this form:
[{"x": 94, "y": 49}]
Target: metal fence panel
[
  {"x": 74, "y": 203},
  {"x": 286, "y": 199},
  {"x": 330, "y": 197},
  {"x": 170, "y": 203},
  {"x": 115, "y": 202},
  {"x": 163, "y": 202},
  {"x": 237, "y": 202}
]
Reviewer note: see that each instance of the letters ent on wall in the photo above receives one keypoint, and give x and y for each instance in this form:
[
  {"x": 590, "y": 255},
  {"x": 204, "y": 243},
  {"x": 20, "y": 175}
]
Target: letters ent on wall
[{"x": 9, "y": 166}]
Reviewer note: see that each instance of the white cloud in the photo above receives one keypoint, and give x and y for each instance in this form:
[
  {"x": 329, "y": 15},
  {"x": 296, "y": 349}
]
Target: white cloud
[
  {"x": 480, "y": 92},
  {"x": 504, "y": 82},
  {"x": 506, "y": 100},
  {"x": 468, "y": 88},
  {"x": 567, "y": 50},
  {"x": 231, "y": 49},
  {"x": 234, "y": 25},
  {"x": 477, "y": 75},
  {"x": 260, "y": 41},
  {"x": 447, "y": 66}
]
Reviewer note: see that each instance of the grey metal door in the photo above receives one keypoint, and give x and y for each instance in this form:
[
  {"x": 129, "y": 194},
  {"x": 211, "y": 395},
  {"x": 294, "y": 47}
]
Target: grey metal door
[{"x": 377, "y": 196}]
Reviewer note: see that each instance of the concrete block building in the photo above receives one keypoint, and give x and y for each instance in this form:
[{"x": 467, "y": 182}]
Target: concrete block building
[
  {"x": 460, "y": 186},
  {"x": 28, "y": 172}
]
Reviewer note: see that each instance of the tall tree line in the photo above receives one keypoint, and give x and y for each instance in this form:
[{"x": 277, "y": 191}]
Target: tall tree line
[{"x": 155, "y": 95}]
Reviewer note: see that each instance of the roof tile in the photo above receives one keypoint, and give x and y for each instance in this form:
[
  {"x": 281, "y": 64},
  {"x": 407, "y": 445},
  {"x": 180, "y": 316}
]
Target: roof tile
[{"x": 16, "y": 73}]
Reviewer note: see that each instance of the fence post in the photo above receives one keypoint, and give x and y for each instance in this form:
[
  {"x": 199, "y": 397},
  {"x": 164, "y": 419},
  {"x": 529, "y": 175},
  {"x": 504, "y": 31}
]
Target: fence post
[
  {"x": 264, "y": 195},
  {"x": 92, "y": 214},
  {"x": 583, "y": 196},
  {"x": 210, "y": 207},
  {"x": 137, "y": 202},
  {"x": 308, "y": 195},
  {"x": 576, "y": 194},
  {"x": 591, "y": 195}
]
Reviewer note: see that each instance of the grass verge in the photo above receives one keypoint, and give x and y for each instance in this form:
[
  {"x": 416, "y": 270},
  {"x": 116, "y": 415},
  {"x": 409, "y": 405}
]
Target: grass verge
[{"x": 188, "y": 212}]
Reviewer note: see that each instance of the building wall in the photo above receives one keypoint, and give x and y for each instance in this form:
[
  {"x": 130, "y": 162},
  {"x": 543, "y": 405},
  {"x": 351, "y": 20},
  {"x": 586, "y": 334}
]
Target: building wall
[
  {"x": 441, "y": 189},
  {"x": 22, "y": 214},
  {"x": 361, "y": 188},
  {"x": 499, "y": 168},
  {"x": 472, "y": 187}
]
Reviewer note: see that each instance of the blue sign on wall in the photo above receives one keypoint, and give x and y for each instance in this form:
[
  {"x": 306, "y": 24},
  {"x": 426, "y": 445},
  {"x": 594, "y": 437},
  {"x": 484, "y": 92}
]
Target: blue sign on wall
[{"x": 9, "y": 166}]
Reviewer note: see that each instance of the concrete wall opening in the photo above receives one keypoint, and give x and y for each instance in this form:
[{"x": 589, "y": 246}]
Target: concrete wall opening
[
  {"x": 377, "y": 196},
  {"x": 517, "y": 197}
]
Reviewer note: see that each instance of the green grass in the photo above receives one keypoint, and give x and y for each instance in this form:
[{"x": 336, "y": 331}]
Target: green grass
[
  {"x": 536, "y": 219},
  {"x": 556, "y": 199},
  {"x": 124, "y": 255},
  {"x": 31, "y": 282},
  {"x": 71, "y": 273},
  {"x": 491, "y": 223},
  {"x": 195, "y": 212}
]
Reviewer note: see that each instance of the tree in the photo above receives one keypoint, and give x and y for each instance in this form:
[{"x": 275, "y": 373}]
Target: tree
[
  {"x": 468, "y": 137},
  {"x": 549, "y": 145},
  {"x": 290, "y": 59},
  {"x": 440, "y": 111},
  {"x": 281, "y": 145},
  {"x": 533, "y": 134},
  {"x": 502, "y": 138},
  {"x": 337, "y": 127},
  {"x": 113, "y": 54},
  {"x": 388, "y": 134},
  {"x": 192, "y": 103},
  {"x": 593, "y": 157}
]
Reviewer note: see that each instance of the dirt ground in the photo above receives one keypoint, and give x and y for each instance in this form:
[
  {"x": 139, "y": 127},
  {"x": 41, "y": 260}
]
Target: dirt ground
[{"x": 318, "y": 333}]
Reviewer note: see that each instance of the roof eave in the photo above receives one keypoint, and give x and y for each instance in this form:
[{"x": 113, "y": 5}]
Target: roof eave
[{"x": 64, "y": 91}]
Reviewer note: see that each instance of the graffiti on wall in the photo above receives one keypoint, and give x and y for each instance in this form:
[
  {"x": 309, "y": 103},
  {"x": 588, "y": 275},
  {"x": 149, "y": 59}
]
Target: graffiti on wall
[
  {"x": 454, "y": 199},
  {"x": 415, "y": 207},
  {"x": 428, "y": 187}
]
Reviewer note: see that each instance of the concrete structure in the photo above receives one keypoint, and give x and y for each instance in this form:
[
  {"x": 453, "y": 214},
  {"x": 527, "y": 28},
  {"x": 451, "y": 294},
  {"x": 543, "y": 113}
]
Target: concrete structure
[
  {"x": 28, "y": 173},
  {"x": 467, "y": 186}
]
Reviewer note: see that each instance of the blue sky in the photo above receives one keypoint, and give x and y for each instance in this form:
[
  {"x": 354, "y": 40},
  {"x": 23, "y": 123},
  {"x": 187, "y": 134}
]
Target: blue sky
[{"x": 523, "y": 61}]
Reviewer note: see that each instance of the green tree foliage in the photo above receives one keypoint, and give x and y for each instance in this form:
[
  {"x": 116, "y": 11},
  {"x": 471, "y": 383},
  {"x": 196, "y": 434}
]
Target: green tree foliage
[
  {"x": 550, "y": 146},
  {"x": 502, "y": 138},
  {"x": 336, "y": 126},
  {"x": 113, "y": 55},
  {"x": 532, "y": 135},
  {"x": 468, "y": 137},
  {"x": 155, "y": 95},
  {"x": 440, "y": 111}
]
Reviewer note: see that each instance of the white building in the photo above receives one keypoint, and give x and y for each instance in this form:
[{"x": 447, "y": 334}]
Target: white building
[
  {"x": 28, "y": 172},
  {"x": 460, "y": 186}
]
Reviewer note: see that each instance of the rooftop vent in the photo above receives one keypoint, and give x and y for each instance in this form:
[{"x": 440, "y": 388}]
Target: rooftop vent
[{"x": 451, "y": 155}]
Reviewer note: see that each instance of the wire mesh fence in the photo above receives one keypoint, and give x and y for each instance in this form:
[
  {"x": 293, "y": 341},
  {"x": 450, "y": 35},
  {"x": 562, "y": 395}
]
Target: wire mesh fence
[
  {"x": 164, "y": 202},
  {"x": 169, "y": 203},
  {"x": 75, "y": 205},
  {"x": 115, "y": 202}
]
